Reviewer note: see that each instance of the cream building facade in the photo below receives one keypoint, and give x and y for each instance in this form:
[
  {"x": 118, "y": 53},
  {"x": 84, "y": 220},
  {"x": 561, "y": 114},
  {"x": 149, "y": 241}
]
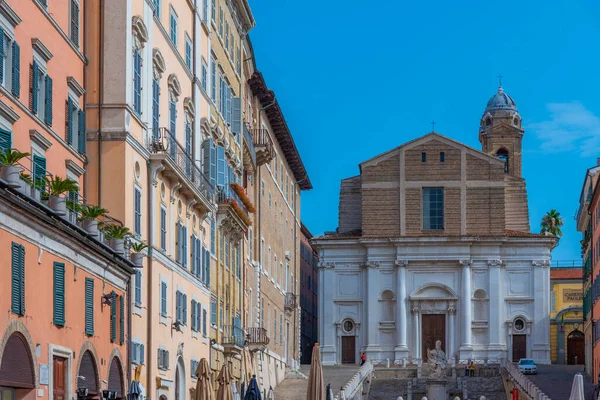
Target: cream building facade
[{"x": 433, "y": 244}]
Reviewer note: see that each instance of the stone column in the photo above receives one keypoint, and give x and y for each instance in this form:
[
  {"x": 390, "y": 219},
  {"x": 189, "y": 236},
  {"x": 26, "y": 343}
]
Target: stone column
[
  {"x": 495, "y": 314},
  {"x": 417, "y": 330},
  {"x": 401, "y": 350},
  {"x": 540, "y": 333},
  {"x": 451, "y": 329},
  {"x": 328, "y": 331},
  {"x": 467, "y": 317},
  {"x": 373, "y": 313}
]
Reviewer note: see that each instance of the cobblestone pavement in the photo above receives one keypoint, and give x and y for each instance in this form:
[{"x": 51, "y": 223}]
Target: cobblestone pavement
[
  {"x": 556, "y": 381},
  {"x": 295, "y": 389}
]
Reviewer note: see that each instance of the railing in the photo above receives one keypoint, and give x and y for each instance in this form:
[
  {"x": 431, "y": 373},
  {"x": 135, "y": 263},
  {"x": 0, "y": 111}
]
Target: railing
[
  {"x": 225, "y": 194},
  {"x": 257, "y": 336},
  {"x": 261, "y": 137},
  {"x": 233, "y": 335},
  {"x": 249, "y": 142},
  {"x": 566, "y": 264},
  {"x": 290, "y": 301},
  {"x": 356, "y": 383},
  {"x": 526, "y": 387},
  {"x": 165, "y": 143}
]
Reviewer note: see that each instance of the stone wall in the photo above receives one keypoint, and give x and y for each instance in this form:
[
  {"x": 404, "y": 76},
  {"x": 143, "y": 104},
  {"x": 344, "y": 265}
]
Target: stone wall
[
  {"x": 350, "y": 207},
  {"x": 433, "y": 169},
  {"x": 381, "y": 212}
]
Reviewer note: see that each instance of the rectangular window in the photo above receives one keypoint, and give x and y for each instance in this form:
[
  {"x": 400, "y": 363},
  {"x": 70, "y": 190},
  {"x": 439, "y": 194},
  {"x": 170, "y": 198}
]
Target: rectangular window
[
  {"x": 172, "y": 128},
  {"x": 213, "y": 313},
  {"x": 269, "y": 199},
  {"x": 221, "y": 246},
  {"x": 205, "y": 11},
  {"x": 227, "y": 36},
  {"x": 262, "y": 312},
  {"x": 269, "y": 261},
  {"x": 137, "y": 296},
  {"x": 423, "y": 157},
  {"x": 213, "y": 10},
  {"x": 163, "y": 299},
  {"x": 433, "y": 208},
  {"x": 75, "y": 125},
  {"x": 274, "y": 326},
  {"x": 155, "y": 109},
  {"x": 163, "y": 229},
  {"x": 18, "y": 279},
  {"x": 262, "y": 188},
  {"x": 250, "y": 245},
  {"x": 137, "y": 82},
  {"x": 220, "y": 21},
  {"x": 281, "y": 328},
  {"x": 89, "y": 306},
  {"x": 221, "y": 317},
  {"x": 163, "y": 359},
  {"x": 174, "y": 27},
  {"x": 59, "y": 294},
  {"x": 188, "y": 52},
  {"x": 213, "y": 236},
  {"x": 238, "y": 266},
  {"x": 262, "y": 254},
  {"x": 442, "y": 156},
  {"x": 194, "y": 327},
  {"x": 74, "y": 26},
  {"x": 113, "y": 317},
  {"x": 204, "y": 76},
  {"x": 226, "y": 251},
  {"x": 157, "y": 8},
  {"x": 137, "y": 212},
  {"x": 204, "y": 332},
  {"x": 213, "y": 79}
]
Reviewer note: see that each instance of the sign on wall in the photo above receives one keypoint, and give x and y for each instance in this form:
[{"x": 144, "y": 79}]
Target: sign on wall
[{"x": 572, "y": 295}]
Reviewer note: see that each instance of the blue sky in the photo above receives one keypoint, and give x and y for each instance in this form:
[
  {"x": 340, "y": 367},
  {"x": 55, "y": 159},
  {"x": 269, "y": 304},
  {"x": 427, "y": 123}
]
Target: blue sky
[{"x": 355, "y": 79}]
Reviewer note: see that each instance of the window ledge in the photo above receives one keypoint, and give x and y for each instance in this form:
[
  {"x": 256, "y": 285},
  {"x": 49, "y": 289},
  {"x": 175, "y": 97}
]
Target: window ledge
[
  {"x": 7, "y": 112},
  {"x": 41, "y": 49},
  {"x": 39, "y": 139},
  {"x": 75, "y": 86},
  {"x": 163, "y": 320},
  {"x": 194, "y": 334},
  {"x": 137, "y": 309}
]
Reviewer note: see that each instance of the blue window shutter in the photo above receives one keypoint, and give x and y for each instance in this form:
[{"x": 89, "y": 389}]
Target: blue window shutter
[
  {"x": 207, "y": 268},
  {"x": 188, "y": 148},
  {"x": 199, "y": 259},
  {"x": 138, "y": 288},
  {"x": 137, "y": 81},
  {"x": 213, "y": 79},
  {"x": 17, "y": 278},
  {"x": 39, "y": 168},
  {"x": 5, "y": 140},
  {"x": 16, "y": 70},
  {"x": 59, "y": 294},
  {"x": 69, "y": 120},
  {"x": 113, "y": 317},
  {"x": 89, "y": 306},
  {"x": 227, "y": 104},
  {"x": 121, "y": 320},
  {"x": 163, "y": 298},
  {"x": 172, "y": 128},
  {"x": 236, "y": 118},
  {"x": 220, "y": 166},
  {"x": 35, "y": 76},
  {"x": 163, "y": 229},
  {"x": 207, "y": 149},
  {"x": 184, "y": 308},
  {"x": 81, "y": 133},
  {"x": 137, "y": 224},
  {"x": 194, "y": 265},
  {"x": 203, "y": 322},
  {"x": 213, "y": 313},
  {"x": 184, "y": 246},
  {"x": 142, "y": 354},
  {"x": 194, "y": 315},
  {"x": 155, "y": 108},
  {"x": 213, "y": 164},
  {"x": 178, "y": 306},
  {"x": 48, "y": 100}
]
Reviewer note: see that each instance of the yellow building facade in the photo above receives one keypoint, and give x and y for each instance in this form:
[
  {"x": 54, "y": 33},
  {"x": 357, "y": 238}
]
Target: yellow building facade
[{"x": 566, "y": 316}]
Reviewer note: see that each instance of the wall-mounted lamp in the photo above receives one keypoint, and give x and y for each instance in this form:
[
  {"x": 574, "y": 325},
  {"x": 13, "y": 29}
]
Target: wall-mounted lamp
[
  {"x": 107, "y": 299},
  {"x": 176, "y": 325},
  {"x": 109, "y": 394},
  {"x": 82, "y": 392}
]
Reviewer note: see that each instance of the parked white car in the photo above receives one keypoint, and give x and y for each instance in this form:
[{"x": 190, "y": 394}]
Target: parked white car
[{"x": 527, "y": 366}]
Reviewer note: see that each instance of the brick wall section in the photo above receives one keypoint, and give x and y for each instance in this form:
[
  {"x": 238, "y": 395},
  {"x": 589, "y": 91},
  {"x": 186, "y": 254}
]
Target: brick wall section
[
  {"x": 485, "y": 211},
  {"x": 432, "y": 169},
  {"x": 452, "y": 211},
  {"x": 482, "y": 170},
  {"x": 381, "y": 212},
  {"x": 413, "y": 212},
  {"x": 384, "y": 171},
  {"x": 350, "y": 207}
]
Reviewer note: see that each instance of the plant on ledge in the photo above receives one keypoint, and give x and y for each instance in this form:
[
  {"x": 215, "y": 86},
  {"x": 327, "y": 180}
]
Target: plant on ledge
[
  {"x": 239, "y": 190},
  {"x": 89, "y": 212},
  {"x": 240, "y": 213},
  {"x": 11, "y": 157},
  {"x": 138, "y": 247},
  {"x": 58, "y": 185},
  {"x": 116, "y": 232}
]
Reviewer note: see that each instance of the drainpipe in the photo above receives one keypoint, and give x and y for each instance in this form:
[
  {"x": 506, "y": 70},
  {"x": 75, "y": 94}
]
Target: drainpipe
[
  {"x": 296, "y": 316},
  {"x": 194, "y": 80},
  {"x": 128, "y": 297},
  {"x": 149, "y": 310},
  {"x": 86, "y": 63},
  {"x": 100, "y": 97}
]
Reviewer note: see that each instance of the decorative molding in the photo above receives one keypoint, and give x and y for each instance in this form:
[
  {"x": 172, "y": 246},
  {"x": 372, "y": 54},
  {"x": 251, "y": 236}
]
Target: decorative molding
[
  {"x": 495, "y": 262},
  {"x": 158, "y": 64},
  {"x": 372, "y": 264},
  {"x": 9, "y": 14},
  {"x": 73, "y": 167},
  {"x": 7, "y": 112},
  {"x": 174, "y": 191},
  {"x": 325, "y": 265},
  {"x": 140, "y": 32},
  {"x": 155, "y": 169},
  {"x": 41, "y": 49},
  {"x": 188, "y": 108},
  {"x": 541, "y": 263},
  {"x": 401, "y": 263},
  {"x": 39, "y": 139},
  {"x": 191, "y": 206},
  {"x": 18, "y": 326},
  {"x": 174, "y": 87},
  {"x": 75, "y": 86},
  {"x": 466, "y": 262}
]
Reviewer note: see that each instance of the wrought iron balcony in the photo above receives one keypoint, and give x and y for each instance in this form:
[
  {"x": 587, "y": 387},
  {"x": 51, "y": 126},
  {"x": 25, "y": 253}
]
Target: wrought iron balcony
[
  {"x": 257, "y": 336},
  {"x": 233, "y": 339},
  {"x": 263, "y": 145},
  {"x": 170, "y": 157},
  {"x": 231, "y": 212},
  {"x": 290, "y": 301},
  {"x": 249, "y": 150}
]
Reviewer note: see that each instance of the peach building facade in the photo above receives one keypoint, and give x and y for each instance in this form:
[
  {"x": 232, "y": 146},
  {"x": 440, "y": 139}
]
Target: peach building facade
[{"x": 65, "y": 328}]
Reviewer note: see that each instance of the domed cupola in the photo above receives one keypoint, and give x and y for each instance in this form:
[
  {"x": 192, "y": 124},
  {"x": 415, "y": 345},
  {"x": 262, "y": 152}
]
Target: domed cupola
[{"x": 501, "y": 101}]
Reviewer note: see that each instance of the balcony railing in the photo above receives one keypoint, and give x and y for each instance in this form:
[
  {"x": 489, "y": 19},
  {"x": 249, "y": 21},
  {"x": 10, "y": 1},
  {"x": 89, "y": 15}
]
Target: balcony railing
[
  {"x": 257, "y": 336},
  {"x": 263, "y": 145},
  {"x": 225, "y": 194},
  {"x": 233, "y": 336},
  {"x": 290, "y": 301},
  {"x": 165, "y": 143},
  {"x": 249, "y": 142}
]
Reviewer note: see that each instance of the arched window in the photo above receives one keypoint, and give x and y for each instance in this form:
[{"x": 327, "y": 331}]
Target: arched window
[
  {"x": 481, "y": 305},
  {"x": 387, "y": 298},
  {"x": 180, "y": 380},
  {"x": 488, "y": 121},
  {"x": 503, "y": 155}
]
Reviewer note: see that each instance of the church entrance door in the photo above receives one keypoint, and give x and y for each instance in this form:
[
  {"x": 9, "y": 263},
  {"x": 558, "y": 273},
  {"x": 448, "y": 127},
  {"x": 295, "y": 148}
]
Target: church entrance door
[
  {"x": 519, "y": 347},
  {"x": 433, "y": 328},
  {"x": 348, "y": 349},
  {"x": 576, "y": 348}
]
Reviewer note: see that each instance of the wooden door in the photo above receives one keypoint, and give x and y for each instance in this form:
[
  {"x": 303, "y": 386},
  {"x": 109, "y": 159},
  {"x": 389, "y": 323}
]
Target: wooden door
[
  {"x": 59, "y": 372},
  {"x": 576, "y": 348},
  {"x": 433, "y": 328},
  {"x": 348, "y": 350},
  {"x": 519, "y": 347}
]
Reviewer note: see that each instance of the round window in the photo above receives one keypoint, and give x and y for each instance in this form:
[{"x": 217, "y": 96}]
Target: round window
[
  {"x": 137, "y": 170},
  {"x": 519, "y": 324},
  {"x": 179, "y": 207},
  {"x": 348, "y": 326},
  {"x": 163, "y": 190}
]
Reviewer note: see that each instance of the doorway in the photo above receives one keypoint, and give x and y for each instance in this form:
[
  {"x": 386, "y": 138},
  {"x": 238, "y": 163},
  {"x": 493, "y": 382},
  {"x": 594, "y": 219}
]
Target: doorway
[
  {"x": 519, "y": 347},
  {"x": 433, "y": 328},
  {"x": 576, "y": 348},
  {"x": 348, "y": 349},
  {"x": 59, "y": 378}
]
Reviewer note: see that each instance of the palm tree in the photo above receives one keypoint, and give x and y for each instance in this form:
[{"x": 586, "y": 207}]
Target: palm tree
[{"x": 551, "y": 223}]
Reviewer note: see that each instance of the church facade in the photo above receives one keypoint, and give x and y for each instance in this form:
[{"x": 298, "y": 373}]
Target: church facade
[{"x": 434, "y": 243}]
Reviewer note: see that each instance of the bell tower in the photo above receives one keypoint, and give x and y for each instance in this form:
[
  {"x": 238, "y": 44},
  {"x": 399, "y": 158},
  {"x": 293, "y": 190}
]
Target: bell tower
[{"x": 500, "y": 132}]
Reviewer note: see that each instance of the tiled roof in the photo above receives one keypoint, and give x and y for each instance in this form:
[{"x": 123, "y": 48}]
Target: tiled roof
[{"x": 566, "y": 273}]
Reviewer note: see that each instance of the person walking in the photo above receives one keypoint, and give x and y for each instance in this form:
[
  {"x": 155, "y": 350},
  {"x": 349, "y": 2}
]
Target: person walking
[
  {"x": 472, "y": 369},
  {"x": 363, "y": 358}
]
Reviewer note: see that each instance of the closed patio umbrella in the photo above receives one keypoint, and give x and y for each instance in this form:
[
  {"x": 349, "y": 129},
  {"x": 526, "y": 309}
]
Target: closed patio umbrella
[
  {"x": 577, "y": 388},
  {"x": 253, "y": 392},
  {"x": 135, "y": 391},
  {"x": 225, "y": 391},
  {"x": 316, "y": 384},
  {"x": 204, "y": 390}
]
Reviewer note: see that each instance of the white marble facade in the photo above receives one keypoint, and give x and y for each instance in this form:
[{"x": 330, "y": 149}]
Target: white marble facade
[{"x": 487, "y": 289}]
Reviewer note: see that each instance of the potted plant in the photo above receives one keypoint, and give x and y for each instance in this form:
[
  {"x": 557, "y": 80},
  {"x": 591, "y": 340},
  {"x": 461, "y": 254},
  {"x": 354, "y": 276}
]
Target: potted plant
[
  {"x": 56, "y": 187},
  {"x": 116, "y": 234},
  {"x": 10, "y": 168},
  {"x": 137, "y": 257},
  {"x": 25, "y": 184},
  {"x": 89, "y": 218}
]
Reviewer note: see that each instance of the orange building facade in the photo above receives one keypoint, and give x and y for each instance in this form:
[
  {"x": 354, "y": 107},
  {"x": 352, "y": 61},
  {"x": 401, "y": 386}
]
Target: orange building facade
[{"x": 65, "y": 291}]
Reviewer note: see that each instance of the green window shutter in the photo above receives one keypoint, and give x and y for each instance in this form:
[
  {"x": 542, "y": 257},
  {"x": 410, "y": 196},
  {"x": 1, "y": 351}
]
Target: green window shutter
[
  {"x": 35, "y": 76},
  {"x": 48, "y": 101},
  {"x": 69, "y": 122},
  {"x": 39, "y": 168},
  {"x": 17, "y": 298},
  {"x": 16, "y": 70},
  {"x": 113, "y": 317},
  {"x": 122, "y": 320},
  {"x": 5, "y": 140},
  {"x": 81, "y": 133},
  {"x": 89, "y": 306},
  {"x": 59, "y": 294}
]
